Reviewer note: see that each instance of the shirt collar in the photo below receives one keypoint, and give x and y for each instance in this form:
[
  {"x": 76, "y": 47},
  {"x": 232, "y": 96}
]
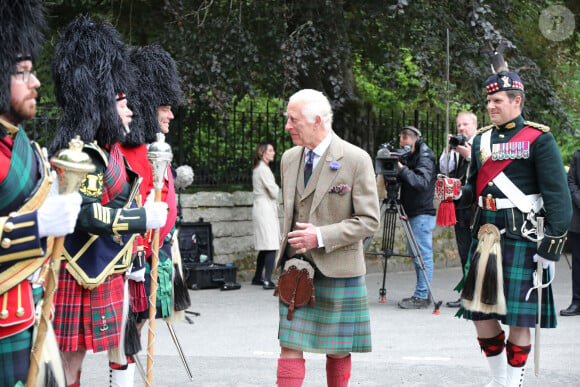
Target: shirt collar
[{"x": 322, "y": 147}]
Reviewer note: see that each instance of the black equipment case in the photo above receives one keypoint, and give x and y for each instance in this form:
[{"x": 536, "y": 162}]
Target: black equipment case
[{"x": 196, "y": 247}]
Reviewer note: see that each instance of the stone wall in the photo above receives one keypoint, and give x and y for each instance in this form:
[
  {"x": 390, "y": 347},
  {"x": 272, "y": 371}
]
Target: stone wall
[{"x": 230, "y": 215}]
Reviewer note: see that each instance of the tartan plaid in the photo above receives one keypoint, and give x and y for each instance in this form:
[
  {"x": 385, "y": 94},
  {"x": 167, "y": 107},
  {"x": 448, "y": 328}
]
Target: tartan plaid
[
  {"x": 338, "y": 323},
  {"x": 15, "y": 352},
  {"x": 22, "y": 176},
  {"x": 115, "y": 175},
  {"x": 88, "y": 319},
  {"x": 518, "y": 266}
]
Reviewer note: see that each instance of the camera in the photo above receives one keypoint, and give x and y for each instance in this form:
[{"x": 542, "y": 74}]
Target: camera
[
  {"x": 456, "y": 141},
  {"x": 387, "y": 160}
]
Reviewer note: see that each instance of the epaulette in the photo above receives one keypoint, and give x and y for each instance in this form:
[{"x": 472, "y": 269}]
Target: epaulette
[
  {"x": 94, "y": 148},
  {"x": 541, "y": 127},
  {"x": 484, "y": 129}
]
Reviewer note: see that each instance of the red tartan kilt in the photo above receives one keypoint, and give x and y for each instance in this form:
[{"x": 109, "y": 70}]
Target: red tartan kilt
[{"x": 88, "y": 319}]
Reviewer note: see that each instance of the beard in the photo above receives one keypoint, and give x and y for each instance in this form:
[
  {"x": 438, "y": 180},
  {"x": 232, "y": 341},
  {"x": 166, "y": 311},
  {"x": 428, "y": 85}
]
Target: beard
[{"x": 23, "y": 110}]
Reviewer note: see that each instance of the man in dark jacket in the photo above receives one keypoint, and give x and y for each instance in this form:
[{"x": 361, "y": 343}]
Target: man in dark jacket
[
  {"x": 417, "y": 176},
  {"x": 574, "y": 235}
]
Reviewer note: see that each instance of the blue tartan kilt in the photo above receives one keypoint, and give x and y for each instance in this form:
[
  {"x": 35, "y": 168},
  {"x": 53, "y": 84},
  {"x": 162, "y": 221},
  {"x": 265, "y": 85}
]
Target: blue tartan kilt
[
  {"x": 518, "y": 268},
  {"x": 339, "y": 322},
  {"x": 15, "y": 352}
]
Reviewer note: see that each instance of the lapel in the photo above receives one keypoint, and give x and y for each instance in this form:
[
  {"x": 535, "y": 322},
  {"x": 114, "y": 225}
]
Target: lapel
[
  {"x": 324, "y": 175},
  {"x": 292, "y": 176}
]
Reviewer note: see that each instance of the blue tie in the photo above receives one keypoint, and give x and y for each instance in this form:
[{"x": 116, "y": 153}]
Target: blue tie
[{"x": 308, "y": 167}]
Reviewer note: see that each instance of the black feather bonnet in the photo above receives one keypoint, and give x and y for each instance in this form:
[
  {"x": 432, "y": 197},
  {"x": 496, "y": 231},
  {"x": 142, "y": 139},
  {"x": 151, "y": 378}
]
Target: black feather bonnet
[
  {"x": 22, "y": 23},
  {"x": 157, "y": 84},
  {"x": 90, "y": 67}
]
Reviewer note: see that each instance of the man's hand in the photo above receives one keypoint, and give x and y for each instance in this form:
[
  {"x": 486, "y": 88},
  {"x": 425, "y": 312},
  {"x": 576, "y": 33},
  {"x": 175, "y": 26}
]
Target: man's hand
[
  {"x": 464, "y": 150},
  {"x": 304, "y": 239}
]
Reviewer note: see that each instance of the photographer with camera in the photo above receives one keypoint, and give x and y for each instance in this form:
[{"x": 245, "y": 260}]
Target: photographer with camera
[
  {"x": 416, "y": 174},
  {"x": 454, "y": 162}
]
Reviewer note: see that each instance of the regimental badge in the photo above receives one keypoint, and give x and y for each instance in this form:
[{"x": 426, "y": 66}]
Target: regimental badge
[
  {"x": 92, "y": 185},
  {"x": 483, "y": 155},
  {"x": 507, "y": 82}
]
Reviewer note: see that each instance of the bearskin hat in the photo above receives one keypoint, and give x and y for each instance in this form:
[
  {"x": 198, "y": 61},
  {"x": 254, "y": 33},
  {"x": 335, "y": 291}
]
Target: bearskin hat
[
  {"x": 157, "y": 84},
  {"x": 22, "y": 23},
  {"x": 90, "y": 67}
]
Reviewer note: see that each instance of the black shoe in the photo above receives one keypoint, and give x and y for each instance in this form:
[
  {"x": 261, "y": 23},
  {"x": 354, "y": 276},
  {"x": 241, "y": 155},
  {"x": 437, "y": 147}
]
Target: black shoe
[
  {"x": 454, "y": 304},
  {"x": 414, "y": 303},
  {"x": 257, "y": 282},
  {"x": 269, "y": 285},
  {"x": 573, "y": 310}
]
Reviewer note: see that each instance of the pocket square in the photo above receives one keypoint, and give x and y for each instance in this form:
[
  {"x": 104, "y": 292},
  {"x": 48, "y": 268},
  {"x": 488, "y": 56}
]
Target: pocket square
[{"x": 340, "y": 189}]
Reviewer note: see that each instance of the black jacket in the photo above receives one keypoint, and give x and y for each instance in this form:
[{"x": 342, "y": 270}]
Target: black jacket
[
  {"x": 418, "y": 181},
  {"x": 574, "y": 185}
]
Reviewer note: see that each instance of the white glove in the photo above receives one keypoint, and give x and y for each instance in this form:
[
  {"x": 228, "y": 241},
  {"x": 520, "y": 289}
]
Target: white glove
[
  {"x": 136, "y": 275},
  {"x": 58, "y": 214},
  {"x": 545, "y": 263},
  {"x": 150, "y": 198},
  {"x": 156, "y": 213}
]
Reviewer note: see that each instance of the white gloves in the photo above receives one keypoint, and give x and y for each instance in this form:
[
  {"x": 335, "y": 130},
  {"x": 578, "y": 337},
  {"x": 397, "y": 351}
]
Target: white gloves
[
  {"x": 545, "y": 263},
  {"x": 156, "y": 214},
  {"x": 58, "y": 214}
]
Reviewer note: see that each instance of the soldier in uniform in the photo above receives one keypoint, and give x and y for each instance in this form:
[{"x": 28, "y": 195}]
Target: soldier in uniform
[
  {"x": 30, "y": 210},
  {"x": 516, "y": 177},
  {"x": 92, "y": 76},
  {"x": 157, "y": 87}
]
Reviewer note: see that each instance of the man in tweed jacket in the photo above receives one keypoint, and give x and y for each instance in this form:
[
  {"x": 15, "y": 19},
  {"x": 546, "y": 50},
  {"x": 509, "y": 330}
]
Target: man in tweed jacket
[{"x": 328, "y": 210}]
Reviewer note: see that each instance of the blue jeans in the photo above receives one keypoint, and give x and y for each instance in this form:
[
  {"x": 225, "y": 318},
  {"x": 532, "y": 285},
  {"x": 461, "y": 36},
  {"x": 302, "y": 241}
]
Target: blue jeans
[{"x": 422, "y": 226}]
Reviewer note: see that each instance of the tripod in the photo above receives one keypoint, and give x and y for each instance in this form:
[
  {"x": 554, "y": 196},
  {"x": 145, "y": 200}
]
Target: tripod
[{"x": 392, "y": 209}]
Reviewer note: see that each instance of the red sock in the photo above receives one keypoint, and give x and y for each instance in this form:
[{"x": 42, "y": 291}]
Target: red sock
[
  {"x": 516, "y": 355},
  {"x": 492, "y": 346},
  {"x": 77, "y": 383},
  {"x": 290, "y": 372},
  {"x": 338, "y": 371}
]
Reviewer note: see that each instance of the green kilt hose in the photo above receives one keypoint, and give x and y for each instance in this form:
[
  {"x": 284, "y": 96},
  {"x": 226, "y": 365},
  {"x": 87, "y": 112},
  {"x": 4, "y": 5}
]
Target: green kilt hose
[
  {"x": 518, "y": 268},
  {"x": 88, "y": 319},
  {"x": 338, "y": 323}
]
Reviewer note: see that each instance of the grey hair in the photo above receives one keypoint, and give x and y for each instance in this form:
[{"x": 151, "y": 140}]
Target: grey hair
[{"x": 315, "y": 104}]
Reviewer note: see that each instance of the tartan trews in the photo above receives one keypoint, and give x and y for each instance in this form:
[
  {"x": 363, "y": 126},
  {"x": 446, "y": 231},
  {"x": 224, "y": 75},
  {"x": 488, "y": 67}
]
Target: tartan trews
[{"x": 338, "y": 323}]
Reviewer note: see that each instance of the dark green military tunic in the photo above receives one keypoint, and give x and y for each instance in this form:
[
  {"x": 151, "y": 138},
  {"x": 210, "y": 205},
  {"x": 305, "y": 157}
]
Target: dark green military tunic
[{"x": 537, "y": 168}]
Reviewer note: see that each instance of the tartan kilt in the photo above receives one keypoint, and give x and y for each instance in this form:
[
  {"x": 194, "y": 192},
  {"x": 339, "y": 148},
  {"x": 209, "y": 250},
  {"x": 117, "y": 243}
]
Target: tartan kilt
[
  {"x": 518, "y": 268},
  {"x": 15, "y": 352},
  {"x": 88, "y": 319},
  {"x": 338, "y": 323}
]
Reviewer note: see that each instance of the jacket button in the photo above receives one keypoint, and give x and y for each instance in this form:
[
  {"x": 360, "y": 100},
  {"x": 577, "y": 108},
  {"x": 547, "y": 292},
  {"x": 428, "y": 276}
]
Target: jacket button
[
  {"x": 6, "y": 243},
  {"x": 8, "y": 227},
  {"x": 490, "y": 184}
]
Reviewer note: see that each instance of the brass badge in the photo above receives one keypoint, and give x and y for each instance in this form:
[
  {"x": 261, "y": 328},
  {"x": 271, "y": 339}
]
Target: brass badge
[{"x": 92, "y": 185}]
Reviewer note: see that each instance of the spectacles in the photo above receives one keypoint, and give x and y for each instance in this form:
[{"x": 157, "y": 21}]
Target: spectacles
[{"x": 25, "y": 75}]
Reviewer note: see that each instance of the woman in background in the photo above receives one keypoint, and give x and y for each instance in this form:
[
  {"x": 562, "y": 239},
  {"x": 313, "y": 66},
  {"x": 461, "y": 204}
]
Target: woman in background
[{"x": 265, "y": 215}]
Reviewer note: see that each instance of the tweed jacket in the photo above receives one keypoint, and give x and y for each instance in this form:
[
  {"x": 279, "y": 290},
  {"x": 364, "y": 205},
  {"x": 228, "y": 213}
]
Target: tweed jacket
[{"x": 345, "y": 205}]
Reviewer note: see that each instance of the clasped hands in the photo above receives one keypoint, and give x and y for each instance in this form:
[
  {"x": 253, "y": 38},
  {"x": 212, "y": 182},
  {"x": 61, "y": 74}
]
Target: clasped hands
[{"x": 303, "y": 239}]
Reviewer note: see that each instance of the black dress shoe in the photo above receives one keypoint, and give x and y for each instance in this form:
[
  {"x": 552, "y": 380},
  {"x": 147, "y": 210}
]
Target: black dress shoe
[
  {"x": 269, "y": 285},
  {"x": 573, "y": 310},
  {"x": 454, "y": 304},
  {"x": 257, "y": 282}
]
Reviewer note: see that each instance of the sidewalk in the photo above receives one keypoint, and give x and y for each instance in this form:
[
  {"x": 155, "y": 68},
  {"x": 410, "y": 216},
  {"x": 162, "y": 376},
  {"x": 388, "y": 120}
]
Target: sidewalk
[{"x": 234, "y": 342}]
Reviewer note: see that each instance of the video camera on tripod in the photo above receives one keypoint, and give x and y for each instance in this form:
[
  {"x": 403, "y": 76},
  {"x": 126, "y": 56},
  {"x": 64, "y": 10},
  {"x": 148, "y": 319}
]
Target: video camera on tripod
[{"x": 387, "y": 160}]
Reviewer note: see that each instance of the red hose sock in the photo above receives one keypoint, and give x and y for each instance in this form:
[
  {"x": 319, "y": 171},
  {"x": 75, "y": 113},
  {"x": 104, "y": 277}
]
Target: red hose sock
[
  {"x": 338, "y": 371},
  {"x": 516, "y": 355},
  {"x": 492, "y": 346},
  {"x": 290, "y": 372}
]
